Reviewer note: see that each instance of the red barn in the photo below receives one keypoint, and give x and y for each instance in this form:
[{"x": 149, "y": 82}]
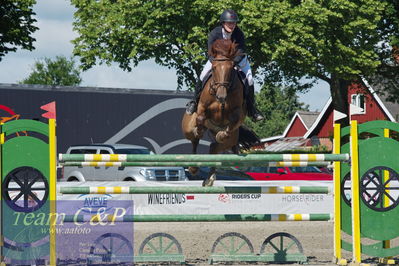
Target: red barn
[
  {"x": 365, "y": 105},
  {"x": 293, "y": 134}
]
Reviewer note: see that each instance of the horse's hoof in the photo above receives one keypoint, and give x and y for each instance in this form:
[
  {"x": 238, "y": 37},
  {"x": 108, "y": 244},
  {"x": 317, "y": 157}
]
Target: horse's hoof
[
  {"x": 209, "y": 181},
  {"x": 212, "y": 180}
]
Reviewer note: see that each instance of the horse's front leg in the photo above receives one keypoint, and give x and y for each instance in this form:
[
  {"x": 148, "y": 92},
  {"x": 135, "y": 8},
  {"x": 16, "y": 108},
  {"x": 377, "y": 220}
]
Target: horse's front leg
[
  {"x": 221, "y": 136},
  {"x": 208, "y": 182},
  {"x": 199, "y": 129},
  {"x": 234, "y": 124},
  {"x": 198, "y": 132}
]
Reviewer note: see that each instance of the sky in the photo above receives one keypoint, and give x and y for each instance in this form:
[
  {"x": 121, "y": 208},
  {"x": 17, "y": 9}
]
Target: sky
[{"x": 54, "y": 19}]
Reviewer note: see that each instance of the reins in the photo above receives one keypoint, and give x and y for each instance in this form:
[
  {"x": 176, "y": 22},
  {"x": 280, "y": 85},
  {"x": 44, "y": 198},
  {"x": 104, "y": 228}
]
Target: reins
[{"x": 215, "y": 85}]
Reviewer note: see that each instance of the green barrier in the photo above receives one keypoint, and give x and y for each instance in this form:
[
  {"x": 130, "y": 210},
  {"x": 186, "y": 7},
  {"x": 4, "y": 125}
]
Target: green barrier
[
  {"x": 376, "y": 198},
  {"x": 26, "y": 188}
]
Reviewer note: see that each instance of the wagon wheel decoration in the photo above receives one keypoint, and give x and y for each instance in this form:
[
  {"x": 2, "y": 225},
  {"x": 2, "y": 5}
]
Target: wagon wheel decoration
[
  {"x": 111, "y": 247},
  {"x": 376, "y": 187},
  {"x": 283, "y": 246},
  {"x": 26, "y": 246},
  {"x": 160, "y": 244},
  {"x": 31, "y": 190},
  {"x": 346, "y": 189},
  {"x": 232, "y": 243}
]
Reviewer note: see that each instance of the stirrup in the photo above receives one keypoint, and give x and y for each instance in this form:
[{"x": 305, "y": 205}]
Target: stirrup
[{"x": 256, "y": 117}]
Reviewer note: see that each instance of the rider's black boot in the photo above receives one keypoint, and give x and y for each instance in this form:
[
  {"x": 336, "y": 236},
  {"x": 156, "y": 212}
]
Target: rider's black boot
[
  {"x": 191, "y": 106},
  {"x": 253, "y": 112}
]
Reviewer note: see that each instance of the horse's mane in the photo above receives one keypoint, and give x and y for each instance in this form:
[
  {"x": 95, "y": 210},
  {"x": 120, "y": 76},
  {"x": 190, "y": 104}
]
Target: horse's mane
[{"x": 223, "y": 47}]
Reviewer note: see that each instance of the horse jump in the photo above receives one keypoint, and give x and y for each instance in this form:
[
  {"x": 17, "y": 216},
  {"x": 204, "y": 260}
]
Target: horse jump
[{"x": 372, "y": 175}]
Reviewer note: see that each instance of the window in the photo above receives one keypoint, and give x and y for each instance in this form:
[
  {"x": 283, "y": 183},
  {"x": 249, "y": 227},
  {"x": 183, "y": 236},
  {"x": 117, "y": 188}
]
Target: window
[
  {"x": 104, "y": 152},
  {"x": 305, "y": 169},
  {"x": 273, "y": 170},
  {"x": 83, "y": 151},
  {"x": 359, "y": 101},
  {"x": 261, "y": 169},
  {"x": 132, "y": 151},
  {"x": 258, "y": 169}
]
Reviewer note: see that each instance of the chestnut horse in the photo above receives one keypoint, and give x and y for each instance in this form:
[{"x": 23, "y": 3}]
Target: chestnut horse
[{"x": 221, "y": 108}]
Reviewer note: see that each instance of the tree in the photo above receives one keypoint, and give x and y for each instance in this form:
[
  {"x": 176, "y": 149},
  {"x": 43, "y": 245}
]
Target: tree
[
  {"x": 387, "y": 76},
  {"x": 16, "y": 25},
  {"x": 337, "y": 41},
  {"x": 58, "y": 72},
  {"x": 279, "y": 106},
  {"x": 173, "y": 33}
]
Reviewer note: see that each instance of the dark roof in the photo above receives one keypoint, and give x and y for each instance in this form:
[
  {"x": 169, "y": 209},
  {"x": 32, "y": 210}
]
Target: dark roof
[
  {"x": 308, "y": 117},
  {"x": 287, "y": 144},
  {"x": 392, "y": 107},
  {"x": 92, "y": 89}
]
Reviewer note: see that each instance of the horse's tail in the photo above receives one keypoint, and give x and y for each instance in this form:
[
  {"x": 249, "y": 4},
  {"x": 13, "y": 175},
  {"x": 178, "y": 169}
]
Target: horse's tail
[{"x": 247, "y": 137}]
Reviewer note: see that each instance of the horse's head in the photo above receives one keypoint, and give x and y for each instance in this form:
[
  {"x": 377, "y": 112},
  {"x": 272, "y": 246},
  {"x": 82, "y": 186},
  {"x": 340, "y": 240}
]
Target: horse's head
[
  {"x": 222, "y": 69},
  {"x": 223, "y": 52}
]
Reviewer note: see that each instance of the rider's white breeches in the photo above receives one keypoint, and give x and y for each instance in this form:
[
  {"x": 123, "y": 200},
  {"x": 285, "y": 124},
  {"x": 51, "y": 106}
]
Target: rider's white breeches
[{"x": 243, "y": 65}]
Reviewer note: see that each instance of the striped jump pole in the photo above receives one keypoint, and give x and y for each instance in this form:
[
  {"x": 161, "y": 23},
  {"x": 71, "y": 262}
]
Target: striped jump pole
[
  {"x": 197, "y": 190},
  {"x": 200, "y": 218},
  {"x": 296, "y": 164},
  {"x": 234, "y": 158},
  {"x": 185, "y": 164}
]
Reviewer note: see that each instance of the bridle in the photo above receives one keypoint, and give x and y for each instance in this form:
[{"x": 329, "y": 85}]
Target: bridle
[{"x": 215, "y": 85}]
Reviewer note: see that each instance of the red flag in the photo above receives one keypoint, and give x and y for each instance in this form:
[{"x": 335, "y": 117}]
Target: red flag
[{"x": 50, "y": 108}]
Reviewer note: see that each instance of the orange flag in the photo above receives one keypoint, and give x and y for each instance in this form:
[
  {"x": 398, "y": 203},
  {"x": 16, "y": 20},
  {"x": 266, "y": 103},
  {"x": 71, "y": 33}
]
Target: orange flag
[{"x": 50, "y": 108}]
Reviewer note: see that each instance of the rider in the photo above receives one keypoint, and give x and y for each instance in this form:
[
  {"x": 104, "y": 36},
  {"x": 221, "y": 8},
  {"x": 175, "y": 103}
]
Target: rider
[{"x": 229, "y": 30}]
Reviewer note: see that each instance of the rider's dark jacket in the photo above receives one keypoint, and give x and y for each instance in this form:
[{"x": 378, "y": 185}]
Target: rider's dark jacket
[{"x": 237, "y": 36}]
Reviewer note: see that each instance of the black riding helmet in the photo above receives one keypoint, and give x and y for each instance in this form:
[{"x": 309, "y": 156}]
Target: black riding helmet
[{"x": 229, "y": 15}]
